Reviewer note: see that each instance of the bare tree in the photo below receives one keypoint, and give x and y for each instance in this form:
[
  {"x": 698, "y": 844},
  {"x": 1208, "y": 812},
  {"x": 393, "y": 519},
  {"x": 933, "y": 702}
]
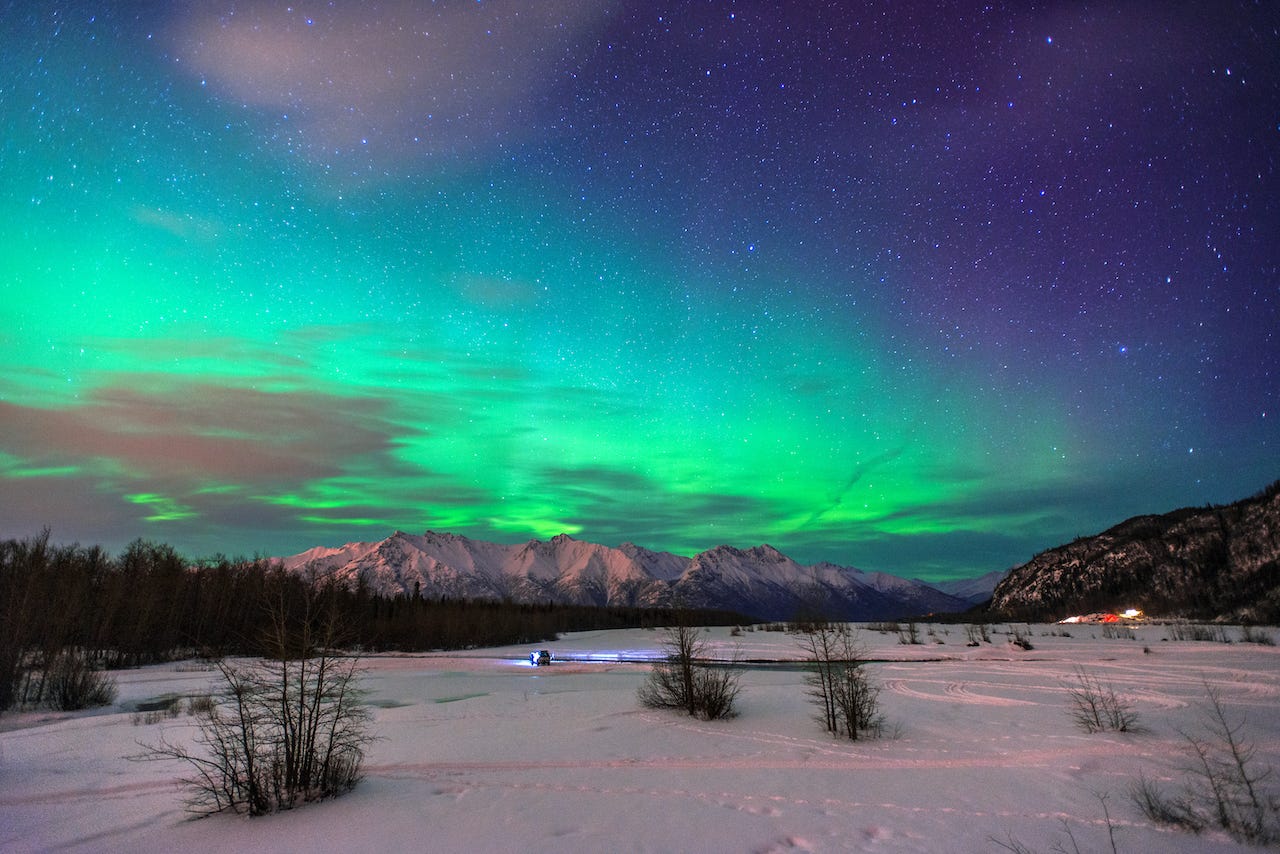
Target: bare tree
[
  {"x": 819, "y": 643},
  {"x": 290, "y": 727},
  {"x": 1096, "y": 707},
  {"x": 909, "y": 634},
  {"x": 682, "y": 679},
  {"x": 839, "y": 686},
  {"x": 72, "y": 682},
  {"x": 1225, "y": 784}
]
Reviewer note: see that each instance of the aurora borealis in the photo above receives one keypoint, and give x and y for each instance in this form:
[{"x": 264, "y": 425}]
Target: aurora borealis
[{"x": 913, "y": 287}]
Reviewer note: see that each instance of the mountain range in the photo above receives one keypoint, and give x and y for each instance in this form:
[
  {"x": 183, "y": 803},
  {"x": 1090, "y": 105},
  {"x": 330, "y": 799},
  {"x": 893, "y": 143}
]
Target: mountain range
[
  {"x": 760, "y": 582},
  {"x": 1215, "y": 562}
]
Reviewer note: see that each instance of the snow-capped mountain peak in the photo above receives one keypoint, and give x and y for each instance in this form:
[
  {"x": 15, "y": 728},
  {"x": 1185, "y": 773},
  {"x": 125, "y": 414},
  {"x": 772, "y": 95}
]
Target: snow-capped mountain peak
[{"x": 760, "y": 581}]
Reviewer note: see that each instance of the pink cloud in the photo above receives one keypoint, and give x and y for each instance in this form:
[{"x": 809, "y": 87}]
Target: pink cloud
[
  {"x": 389, "y": 80},
  {"x": 201, "y": 431}
]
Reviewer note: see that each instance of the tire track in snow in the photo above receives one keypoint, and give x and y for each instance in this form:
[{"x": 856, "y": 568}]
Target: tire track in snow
[
  {"x": 58, "y": 796},
  {"x": 961, "y": 691},
  {"x": 754, "y": 803},
  {"x": 1152, "y": 698},
  {"x": 953, "y": 692},
  {"x": 1035, "y": 755}
]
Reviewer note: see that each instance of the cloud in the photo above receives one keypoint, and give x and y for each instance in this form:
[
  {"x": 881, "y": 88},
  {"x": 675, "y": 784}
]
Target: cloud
[
  {"x": 223, "y": 350},
  {"x": 74, "y": 507},
  {"x": 184, "y": 226},
  {"x": 495, "y": 293},
  {"x": 389, "y": 80},
  {"x": 200, "y": 432}
]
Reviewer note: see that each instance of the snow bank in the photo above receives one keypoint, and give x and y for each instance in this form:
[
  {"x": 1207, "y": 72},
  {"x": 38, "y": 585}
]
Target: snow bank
[{"x": 481, "y": 752}]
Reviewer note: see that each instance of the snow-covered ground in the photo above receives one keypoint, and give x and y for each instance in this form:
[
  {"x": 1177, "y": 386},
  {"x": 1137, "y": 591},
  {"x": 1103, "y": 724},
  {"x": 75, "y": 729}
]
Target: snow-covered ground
[{"x": 480, "y": 751}]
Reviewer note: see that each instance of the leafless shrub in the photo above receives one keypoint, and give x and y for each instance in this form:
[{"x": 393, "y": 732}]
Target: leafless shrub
[
  {"x": 286, "y": 729},
  {"x": 1224, "y": 786},
  {"x": 1184, "y": 631},
  {"x": 909, "y": 634},
  {"x": 1174, "y": 810},
  {"x": 682, "y": 680},
  {"x": 73, "y": 683},
  {"x": 976, "y": 633},
  {"x": 155, "y": 711},
  {"x": 283, "y": 733},
  {"x": 195, "y": 665},
  {"x": 1021, "y": 638},
  {"x": 715, "y": 691},
  {"x": 1096, "y": 707},
  {"x": 1253, "y": 634},
  {"x": 201, "y": 704}
]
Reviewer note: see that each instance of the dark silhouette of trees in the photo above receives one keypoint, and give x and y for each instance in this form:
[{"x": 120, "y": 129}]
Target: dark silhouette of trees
[
  {"x": 47, "y": 601},
  {"x": 150, "y": 604}
]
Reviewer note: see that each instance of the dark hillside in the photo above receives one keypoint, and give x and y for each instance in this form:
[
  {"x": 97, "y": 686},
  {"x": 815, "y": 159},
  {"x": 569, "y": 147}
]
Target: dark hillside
[{"x": 1218, "y": 562}]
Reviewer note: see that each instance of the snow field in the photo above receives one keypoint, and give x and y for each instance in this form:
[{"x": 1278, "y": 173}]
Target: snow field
[{"x": 481, "y": 752}]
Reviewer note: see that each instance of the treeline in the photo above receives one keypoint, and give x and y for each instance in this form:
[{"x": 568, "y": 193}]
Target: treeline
[{"x": 150, "y": 604}]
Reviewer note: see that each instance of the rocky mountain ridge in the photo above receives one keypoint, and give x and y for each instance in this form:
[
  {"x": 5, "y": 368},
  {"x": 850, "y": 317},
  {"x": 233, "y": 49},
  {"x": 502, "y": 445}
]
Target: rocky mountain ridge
[
  {"x": 760, "y": 582},
  {"x": 1216, "y": 562},
  {"x": 975, "y": 590}
]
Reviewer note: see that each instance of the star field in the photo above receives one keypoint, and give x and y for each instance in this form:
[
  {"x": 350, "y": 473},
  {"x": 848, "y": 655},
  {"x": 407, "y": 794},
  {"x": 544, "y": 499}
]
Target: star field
[{"x": 916, "y": 289}]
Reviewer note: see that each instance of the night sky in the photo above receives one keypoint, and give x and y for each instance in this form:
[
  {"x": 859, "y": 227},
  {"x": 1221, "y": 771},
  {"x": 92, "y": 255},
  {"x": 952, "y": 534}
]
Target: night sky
[{"x": 916, "y": 287}]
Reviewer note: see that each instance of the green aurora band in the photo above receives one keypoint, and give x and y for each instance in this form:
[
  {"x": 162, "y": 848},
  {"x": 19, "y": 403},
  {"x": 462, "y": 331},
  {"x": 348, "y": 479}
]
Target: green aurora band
[{"x": 216, "y": 337}]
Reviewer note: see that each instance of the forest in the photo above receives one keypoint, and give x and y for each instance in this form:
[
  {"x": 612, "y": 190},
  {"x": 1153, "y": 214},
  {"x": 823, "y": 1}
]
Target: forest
[{"x": 67, "y": 609}]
